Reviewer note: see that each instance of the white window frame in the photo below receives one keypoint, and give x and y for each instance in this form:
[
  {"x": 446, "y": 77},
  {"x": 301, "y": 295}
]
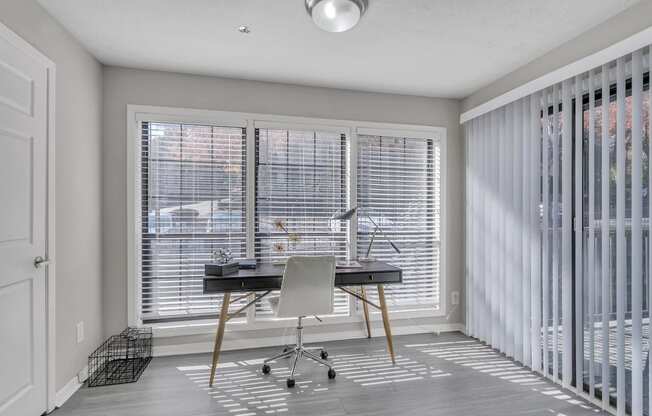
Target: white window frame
[{"x": 139, "y": 113}]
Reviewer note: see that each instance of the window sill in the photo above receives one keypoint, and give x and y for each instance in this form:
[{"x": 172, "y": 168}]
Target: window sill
[{"x": 208, "y": 326}]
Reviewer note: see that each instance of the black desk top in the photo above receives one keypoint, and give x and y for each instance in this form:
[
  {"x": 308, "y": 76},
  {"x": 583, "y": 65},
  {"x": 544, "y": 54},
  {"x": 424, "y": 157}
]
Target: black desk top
[{"x": 269, "y": 276}]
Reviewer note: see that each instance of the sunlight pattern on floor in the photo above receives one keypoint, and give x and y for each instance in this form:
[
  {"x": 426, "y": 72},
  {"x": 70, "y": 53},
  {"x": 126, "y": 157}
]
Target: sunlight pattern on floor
[
  {"x": 377, "y": 368},
  {"x": 243, "y": 391},
  {"x": 482, "y": 358}
]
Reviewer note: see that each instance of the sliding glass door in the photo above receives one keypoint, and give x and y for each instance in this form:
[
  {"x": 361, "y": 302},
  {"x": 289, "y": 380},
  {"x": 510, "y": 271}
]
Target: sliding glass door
[
  {"x": 615, "y": 223},
  {"x": 589, "y": 209}
]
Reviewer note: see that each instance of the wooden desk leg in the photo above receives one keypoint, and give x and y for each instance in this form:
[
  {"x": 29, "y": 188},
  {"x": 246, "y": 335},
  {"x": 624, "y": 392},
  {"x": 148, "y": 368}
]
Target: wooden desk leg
[
  {"x": 219, "y": 335},
  {"x": 388, "y": 329},
  {"x": 365, "y": 309}
]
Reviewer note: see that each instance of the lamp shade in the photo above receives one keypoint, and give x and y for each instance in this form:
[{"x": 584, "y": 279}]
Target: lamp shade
[{"x": 345, "y": 216}]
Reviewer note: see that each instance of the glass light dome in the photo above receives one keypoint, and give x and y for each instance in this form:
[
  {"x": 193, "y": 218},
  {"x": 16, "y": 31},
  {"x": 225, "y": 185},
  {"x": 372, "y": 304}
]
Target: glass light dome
[{"x": 336, "y": 15}]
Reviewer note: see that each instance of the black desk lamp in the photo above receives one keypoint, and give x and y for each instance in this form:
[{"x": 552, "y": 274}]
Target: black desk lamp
[{"x": 347, "y": 215}]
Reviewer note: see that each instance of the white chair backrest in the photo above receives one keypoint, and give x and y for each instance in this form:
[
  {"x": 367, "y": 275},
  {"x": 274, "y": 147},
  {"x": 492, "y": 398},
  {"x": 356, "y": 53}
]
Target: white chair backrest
[{"x": 307, "y": 287}]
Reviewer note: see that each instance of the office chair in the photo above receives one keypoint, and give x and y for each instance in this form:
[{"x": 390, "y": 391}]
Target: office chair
[{"x": 306, "y": 290}]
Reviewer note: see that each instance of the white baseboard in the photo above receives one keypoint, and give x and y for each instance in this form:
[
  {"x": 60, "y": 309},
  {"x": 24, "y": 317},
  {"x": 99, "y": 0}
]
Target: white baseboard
[
  {"x": 70, "y": 388},
  {"x": 239, "y": 344}
]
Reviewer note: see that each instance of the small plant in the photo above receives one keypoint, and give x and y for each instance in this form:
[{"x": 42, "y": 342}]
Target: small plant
[{"x": 293, "y": 238}]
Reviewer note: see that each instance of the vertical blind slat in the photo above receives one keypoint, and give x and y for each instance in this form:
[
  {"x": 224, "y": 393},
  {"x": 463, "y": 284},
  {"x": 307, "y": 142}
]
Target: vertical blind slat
[
  {"x": 637, "y": 234},
  {"x": 489, "y": 244},
  {"x": 526, "y": 320},
  {"x": 508, "y": 314},
  {"x": 579, "y": 231},
  {"x": 649, "y": 245},
  {"x": 605, "y": 239},
  {"x": 556, "y": 232},
  {"x": 567, "y": 233},
  {"x": 516, "y": 231},
  {"x": 546, "y": 235},
  {"x": 535, "y": 230},
  {"x": 495, "y": 213},
  {"x": 621, "y": 248},
  {"x": 503, "y": 197},
  {"x": 468, "y": 226},
  {"x": 591, "y": 235}
]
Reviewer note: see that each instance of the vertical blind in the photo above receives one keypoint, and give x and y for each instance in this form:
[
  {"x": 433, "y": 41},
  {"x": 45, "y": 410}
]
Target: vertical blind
[
  {"x": 557, "y": 231},
  {"x": 193, "y": 202},
  {"x": 399, "y": 188},
  {"x": 300, "y": 184}
]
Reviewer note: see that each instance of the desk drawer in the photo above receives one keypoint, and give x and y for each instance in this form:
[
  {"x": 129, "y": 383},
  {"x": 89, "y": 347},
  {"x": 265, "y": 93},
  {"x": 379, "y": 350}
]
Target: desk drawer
[
  {"x": 368, "y": 278},
  {"x": 242, "y": 285}
]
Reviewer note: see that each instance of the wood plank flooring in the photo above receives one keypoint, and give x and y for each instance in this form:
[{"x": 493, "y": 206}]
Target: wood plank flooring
[{"x": 449, "y": 374}]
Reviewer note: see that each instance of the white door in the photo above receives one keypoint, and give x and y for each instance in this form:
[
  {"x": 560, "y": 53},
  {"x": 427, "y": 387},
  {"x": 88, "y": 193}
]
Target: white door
[{"x": 23, "y": 199}]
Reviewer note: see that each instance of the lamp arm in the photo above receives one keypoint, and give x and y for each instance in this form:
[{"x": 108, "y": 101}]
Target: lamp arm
[
  {"x": 371, "y": 242},
  {"x": 382, "y": 232}
]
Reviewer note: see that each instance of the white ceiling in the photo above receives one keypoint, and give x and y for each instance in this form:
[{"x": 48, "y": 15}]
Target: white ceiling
[{"x": 439, "y": 48}]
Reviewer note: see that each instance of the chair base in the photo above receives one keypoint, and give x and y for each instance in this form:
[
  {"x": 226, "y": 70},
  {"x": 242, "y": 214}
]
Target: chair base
[{"x": 298, "y": 351}]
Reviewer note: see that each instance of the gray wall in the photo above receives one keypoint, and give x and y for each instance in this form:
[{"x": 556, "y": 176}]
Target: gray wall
[
  {"x": 78, "y": 183},
  {"x": 129, "y": 86},
  {"x": 617, "y": 28}
]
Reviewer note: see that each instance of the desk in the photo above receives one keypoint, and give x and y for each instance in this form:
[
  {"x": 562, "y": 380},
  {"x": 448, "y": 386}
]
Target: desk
[{"x": 263, "y": 280}]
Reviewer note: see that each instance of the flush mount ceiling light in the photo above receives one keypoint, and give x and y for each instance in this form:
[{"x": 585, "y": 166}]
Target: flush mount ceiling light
[{"x": 336, "y": 15}]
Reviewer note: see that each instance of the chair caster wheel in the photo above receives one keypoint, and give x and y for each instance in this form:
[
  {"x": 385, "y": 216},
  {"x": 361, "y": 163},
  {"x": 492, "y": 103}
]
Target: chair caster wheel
[
  {"x": 331, "y": 374},
  {"x": 266, "y": 369},
  {"x": 290, "y": 382},
  {"x": 324, "y": 355}
]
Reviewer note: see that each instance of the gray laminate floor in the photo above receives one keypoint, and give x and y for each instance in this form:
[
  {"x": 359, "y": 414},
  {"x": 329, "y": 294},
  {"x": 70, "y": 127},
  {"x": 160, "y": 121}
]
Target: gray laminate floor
[{"x": 448, "y": 374}]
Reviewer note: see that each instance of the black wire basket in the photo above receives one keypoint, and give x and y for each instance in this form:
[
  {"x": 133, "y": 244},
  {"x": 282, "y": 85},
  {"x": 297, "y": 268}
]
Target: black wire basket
[{"x": 121, "y": 358}]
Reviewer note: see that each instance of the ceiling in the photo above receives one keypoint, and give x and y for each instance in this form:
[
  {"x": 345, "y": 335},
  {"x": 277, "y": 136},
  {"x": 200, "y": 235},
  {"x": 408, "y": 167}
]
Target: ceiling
[{"x": 437, "y": 48}]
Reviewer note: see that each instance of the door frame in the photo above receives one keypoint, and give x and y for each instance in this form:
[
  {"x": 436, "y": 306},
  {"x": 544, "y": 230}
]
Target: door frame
[{"x": 50, "y": 363}]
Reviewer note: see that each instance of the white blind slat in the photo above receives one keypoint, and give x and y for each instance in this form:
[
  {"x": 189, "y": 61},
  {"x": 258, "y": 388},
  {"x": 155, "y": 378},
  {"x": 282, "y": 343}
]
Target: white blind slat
[
  {"x": 605, "y": 240},
  {"x": 591, "y": 237},
  {"x": 637, "y": 233},
  {"x": 649, "y": 241},
  {"x": 579, "y": 238},
  {"x": 556, "y": 232},
  {"x": 536, "y": 251},
  {"x": 567, "y": 234},
  {"x": 621, "y": 249}
]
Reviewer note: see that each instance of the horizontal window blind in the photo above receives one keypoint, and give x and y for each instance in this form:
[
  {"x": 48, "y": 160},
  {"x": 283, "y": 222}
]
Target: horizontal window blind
[
  {"x": 399, "y": 188},
  {"x": 193, "y": 202},
  {"x": 300, "y": 184}
]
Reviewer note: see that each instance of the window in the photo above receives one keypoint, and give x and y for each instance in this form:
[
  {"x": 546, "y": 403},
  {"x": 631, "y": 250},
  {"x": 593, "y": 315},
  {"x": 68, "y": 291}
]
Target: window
[
  {"x": 193, "y": 180},
  {"x": 300, "y": 185},
  {"x": 399, "y": 189},
  {"x": 268, "y": 188}
]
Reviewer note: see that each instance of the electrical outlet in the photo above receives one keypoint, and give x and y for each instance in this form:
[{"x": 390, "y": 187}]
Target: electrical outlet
[
  {"x": 455, "y": 298},
  {"x": 80, "y": 332}
]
